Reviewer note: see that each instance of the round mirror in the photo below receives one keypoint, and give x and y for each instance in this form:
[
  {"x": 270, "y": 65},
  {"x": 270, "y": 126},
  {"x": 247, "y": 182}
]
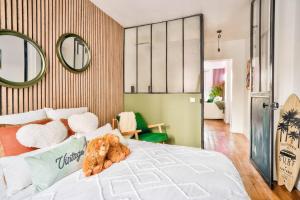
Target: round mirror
[
  {"x": 73, "y": 52},
  {"x": 22, "y": 61}
]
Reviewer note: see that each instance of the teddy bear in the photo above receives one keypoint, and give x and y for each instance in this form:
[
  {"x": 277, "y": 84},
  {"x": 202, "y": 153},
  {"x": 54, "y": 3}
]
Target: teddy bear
[
  {"x": 94, "y": 160},
  {"x": 117, "y": 151},
  {"x": 102, "y": 152}
]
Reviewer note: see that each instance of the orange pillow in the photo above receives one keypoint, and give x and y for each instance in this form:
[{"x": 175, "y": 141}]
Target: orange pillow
[
  {"x": 65, "y": 122},
  {"x": 9, "y": 142}
]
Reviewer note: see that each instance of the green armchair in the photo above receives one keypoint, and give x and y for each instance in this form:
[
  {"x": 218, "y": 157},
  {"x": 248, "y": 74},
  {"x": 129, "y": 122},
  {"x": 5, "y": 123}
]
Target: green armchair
[{"x": 144, "y": 131}]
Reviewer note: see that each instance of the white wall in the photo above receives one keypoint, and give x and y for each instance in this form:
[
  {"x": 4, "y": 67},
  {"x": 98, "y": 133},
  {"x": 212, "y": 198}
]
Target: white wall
[
  {"x": 287, "y": 52},
  {"x": 238, "y": 51}
]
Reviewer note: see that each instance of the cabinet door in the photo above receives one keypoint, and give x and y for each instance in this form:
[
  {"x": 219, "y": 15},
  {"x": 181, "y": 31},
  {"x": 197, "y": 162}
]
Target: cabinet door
[
  {"x": 175, "y": 56},
  {"x": 130, "y": 60},
  {"x": 144, "y": 59},
  {"x": 192, "y": 58},
  {"x": 159, "y": 56}
]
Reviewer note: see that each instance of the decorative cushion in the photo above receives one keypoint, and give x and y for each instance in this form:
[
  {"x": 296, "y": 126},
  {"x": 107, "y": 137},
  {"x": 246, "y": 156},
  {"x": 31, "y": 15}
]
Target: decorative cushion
[
  {"x": 9, "y": 143},
  {"x": 98, "y": 132},
  {"x": 41, "y": 136},
  {"x": 23, "y": 118},
  {"x": 51, "y": 166},
  {"x": 64, "y": 113},
  {"x": 70, "y": 131},
  {"x": 123, "y": 140},
  {"x": 2, "y": 185},
  {"x": 16, "y": 171},
  {"x": 83, "y": 123}
]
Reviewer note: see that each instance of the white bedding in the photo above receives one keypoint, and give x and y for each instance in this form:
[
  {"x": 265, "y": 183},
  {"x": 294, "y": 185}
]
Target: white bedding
[{"x": 152, "y": 171}]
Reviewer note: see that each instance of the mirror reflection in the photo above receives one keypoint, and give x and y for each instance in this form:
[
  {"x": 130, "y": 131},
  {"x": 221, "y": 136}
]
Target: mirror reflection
[
  {"x": 74, "y": 52},
  {"x": 21, "y": 61}
]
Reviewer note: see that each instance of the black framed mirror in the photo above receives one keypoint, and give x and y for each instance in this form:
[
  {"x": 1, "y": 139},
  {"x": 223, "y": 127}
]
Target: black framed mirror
[
  {"x": 73, "y": 52},
  {"x": 22, "y": 61}
]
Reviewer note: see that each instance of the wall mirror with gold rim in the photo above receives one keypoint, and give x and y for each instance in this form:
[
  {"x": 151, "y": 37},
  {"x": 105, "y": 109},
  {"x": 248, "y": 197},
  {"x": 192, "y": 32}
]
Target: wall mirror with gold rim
[
  {"x": 22, "y": 61},
  {"x": 73, "y": 52}
]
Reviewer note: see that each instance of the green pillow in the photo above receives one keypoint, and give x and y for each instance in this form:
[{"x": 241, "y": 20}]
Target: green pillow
[{"x": 49, "y": 167}]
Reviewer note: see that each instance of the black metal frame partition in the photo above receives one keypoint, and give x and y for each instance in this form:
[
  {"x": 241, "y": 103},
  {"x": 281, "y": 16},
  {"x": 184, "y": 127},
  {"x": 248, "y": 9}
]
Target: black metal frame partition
[{"x": 201, "y": 57}]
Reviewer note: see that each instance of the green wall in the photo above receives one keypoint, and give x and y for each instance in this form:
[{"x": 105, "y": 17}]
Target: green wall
[{"x": 183, "y": 118}]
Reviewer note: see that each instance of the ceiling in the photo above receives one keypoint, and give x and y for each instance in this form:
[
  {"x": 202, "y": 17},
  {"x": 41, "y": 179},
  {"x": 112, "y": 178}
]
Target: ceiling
[{"x": 232, "y": 16}]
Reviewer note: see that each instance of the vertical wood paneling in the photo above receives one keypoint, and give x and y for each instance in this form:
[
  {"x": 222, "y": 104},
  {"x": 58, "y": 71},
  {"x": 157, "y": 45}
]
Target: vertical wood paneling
[
  {"x": 25, "y": 31},
  {"x": 2, "y": 26},
  {"x": 9, "y": 91},
  {"x": 100, "y": 87},
  {"x": 20, "y": 29}
]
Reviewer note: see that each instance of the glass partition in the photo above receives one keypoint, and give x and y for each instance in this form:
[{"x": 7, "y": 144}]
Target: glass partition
[
  {"x": 192, "y": 60},
  {"x": 144, "y": 59},
  {"x": 164, "y": 57},
  {"x": 159, "y": 55},
  {"x": 130, "y": 60},
  {"x": 175, "y": 56}
]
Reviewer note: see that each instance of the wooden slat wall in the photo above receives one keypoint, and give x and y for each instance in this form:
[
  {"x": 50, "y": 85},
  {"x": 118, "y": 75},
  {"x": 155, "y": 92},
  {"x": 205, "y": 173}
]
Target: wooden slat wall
[{"x": 100, "y": 87}]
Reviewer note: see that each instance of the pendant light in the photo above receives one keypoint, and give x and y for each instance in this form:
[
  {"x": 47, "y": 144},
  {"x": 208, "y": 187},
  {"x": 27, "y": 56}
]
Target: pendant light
[{"x": 219, "y": 37}]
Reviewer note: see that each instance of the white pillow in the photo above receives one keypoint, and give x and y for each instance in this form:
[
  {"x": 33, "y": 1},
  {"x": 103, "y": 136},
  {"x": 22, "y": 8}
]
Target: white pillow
[
  {"x": 23, "y": 118},
  {"x": 41, "y": 136},
  {"x": 64, "y": 113},
  {"x": 117, "y": 132},
  {"x": 83, "y": 123},
  {"x": 2, "y": 184},
  {"x": 99, "y": 132},
  {"x": 103, "y": 130},
  {"x": 16, "y": 171}
]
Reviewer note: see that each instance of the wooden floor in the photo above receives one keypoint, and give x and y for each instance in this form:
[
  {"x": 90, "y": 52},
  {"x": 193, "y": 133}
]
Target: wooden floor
[{"x": 236, "y": 147}]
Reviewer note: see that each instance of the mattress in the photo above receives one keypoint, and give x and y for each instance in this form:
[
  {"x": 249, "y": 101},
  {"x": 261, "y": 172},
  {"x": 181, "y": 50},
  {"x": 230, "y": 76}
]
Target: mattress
[{"x": 152, "y": 171}]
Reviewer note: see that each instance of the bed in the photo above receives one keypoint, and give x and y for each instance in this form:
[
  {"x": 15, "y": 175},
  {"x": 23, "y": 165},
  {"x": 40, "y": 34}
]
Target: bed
[{"x": 152, "y": 171}]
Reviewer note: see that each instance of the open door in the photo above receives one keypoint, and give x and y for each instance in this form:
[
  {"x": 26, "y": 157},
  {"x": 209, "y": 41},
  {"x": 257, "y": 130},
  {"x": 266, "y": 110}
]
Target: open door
[{"x": 262, "y": 81}]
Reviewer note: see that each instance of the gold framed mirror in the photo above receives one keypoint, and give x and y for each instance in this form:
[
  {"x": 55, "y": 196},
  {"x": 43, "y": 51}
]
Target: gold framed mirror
[
  {"x": 22, "y": 61},
  {"x": 73, "y": 52}
]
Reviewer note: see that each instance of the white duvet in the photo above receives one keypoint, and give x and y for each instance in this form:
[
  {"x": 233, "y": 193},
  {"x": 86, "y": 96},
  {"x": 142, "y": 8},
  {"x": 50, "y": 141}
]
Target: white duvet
[{"x": 154, "y": 172}]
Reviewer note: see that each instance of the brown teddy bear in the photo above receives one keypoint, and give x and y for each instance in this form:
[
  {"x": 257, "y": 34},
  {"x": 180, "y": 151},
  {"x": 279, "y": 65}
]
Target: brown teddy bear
[
  {"x": 117, "y": 151},
  {"x": 94, "y": 159},
  {"x": 101, "y": 152}
]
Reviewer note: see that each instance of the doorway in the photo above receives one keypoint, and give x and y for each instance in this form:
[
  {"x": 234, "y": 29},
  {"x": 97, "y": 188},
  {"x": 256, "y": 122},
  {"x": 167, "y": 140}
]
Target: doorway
[
  {"x": 218, "y": 90},
  {"x": 217, "y": 101}
]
